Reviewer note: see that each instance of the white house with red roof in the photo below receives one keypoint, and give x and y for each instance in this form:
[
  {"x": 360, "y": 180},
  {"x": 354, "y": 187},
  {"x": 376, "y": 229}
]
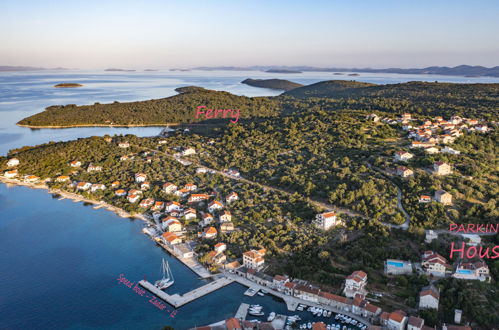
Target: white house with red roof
[
  {"x": 195, "y": 198},
  {"x": 140, "y": 177},
  {"x": 75, "y": 163},
  {"x": 12, "y": 162},
  {"x": 190, "y": 214},
  {"x": 215, "y": 206},
  {"x": 171, "y": 224},
  {"x": 158, "y": 206},
  {"x": 10, "y": 174},
  {"x": 170, "y": 206},
  {"x": 425, "y": 199},
  {"x": 83, "y": 185},
  {"x": 254, "y": 259},
  {"x": 429, "y": 297},
  {"x": 190, "y": 187},
  {"x": 441, "y": 168},
  {"x": 146, "y": 185},
  {"x": 146, "y": 203},
  {"x": 124, "y": 144},
  {"x": 467, "y": 270},
  {"x": 397, "y": 320},
  {"x": 170, "y": 238},
  {"x": 403, "y": 156},
  {"x": 94, "y": 168},
  {"x": 232, "y": 197},
  {"x": 98, "y": 186},
  {"x": 434, "y": 264},
  {"x": 206, "y": 220},
  {"x": 120, "y": 192},
  {"x": 404, "y": 171},
  {"x": 225, "y": 216},
  {"x": 133, "y": 198},
  {"x": 169, "y": 188},
  {"x": 220, "y": 247},
  {"x": 209, "y": 233},
  {"x": 326, "y": 220},
  {"x": 355, "y": 284}
]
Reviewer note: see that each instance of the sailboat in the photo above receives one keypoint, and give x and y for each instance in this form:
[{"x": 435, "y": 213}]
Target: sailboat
[{"x": 167, "y": 279}]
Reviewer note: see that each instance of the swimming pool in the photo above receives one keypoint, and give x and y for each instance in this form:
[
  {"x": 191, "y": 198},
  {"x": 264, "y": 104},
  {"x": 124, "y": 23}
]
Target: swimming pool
[
  {"x": 395, "y": 264},
  {"x": 464, "y": 271}
]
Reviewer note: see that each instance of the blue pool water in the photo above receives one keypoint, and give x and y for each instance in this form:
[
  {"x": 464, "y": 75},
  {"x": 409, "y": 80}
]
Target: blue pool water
[
  {"x": 465, "y": 271},
  {"x": 395, "y": 264}
]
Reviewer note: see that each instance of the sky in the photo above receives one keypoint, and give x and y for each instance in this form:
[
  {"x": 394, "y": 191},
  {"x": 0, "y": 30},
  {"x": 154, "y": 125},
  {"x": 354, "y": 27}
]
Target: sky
[{"x": 186, "y": 33}]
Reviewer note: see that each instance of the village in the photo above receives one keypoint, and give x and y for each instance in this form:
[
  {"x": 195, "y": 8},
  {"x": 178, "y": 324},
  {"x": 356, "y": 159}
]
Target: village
[{"x": 167, "y": 219}]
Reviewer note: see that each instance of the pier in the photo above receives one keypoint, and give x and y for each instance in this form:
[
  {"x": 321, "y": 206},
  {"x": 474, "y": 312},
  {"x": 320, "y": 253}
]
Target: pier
[
  {"x": 242, "y": 311},
  {"x": 177, "y": 300}
]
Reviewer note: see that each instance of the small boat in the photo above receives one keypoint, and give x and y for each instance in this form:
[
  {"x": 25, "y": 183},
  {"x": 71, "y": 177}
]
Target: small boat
[
  {"x": 261, "y": 293},
  {"x": 324, "y": 313},
  {"x": 328, "y": 327},
  {"x": 271, "y": 317},
  {"x": 256, "y": 306},
  {"x": 256, "y": 313},
  {"x": 299, "y": 308},
  {"x": 167, "y": 279},
  {"x": 309, "y": 325},
  {"x": 264, "y": 291},
  {"x": 329, "y": 313}
]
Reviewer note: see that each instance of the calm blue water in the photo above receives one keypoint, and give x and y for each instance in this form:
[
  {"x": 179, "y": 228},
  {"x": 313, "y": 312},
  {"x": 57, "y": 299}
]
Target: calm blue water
[
  {"x": 59, "y": 260},
  {"x": 23, "y": 94}
]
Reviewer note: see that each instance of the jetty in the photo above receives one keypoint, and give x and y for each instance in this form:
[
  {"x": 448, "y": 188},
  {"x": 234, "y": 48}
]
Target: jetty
[
  {"x": 242, "y": 311},
  {"x": 190, "y": 262},
  {"x": 177, "y": 300}
]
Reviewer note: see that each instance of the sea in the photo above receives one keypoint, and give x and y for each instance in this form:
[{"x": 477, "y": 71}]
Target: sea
[{"x": 60, "y": 260}]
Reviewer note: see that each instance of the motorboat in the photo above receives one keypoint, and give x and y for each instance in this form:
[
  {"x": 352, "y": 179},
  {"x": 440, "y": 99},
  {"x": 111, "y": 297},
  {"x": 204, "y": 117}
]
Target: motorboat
[
  {"x": 167, "y": 279},
  {"x": 324, "y": 313},
  {"x": 271, "y": 317},
  {"x": 264, "y": 291},
  {"x": 255, "y": 312},
  {"x": 261, "y": 293},
  {"x": 309, "y": 325},
  {"x": 329, "y": 313}
]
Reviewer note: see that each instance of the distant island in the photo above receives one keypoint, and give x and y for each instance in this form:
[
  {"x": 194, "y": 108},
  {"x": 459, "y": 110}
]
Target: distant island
[
  {"x": 354, "y": 74},
  {"x": 150, "y": 70},
  {"x": 474, "y": 101},
  {"x": 121, "y": 70},
  {"x": 182, "y": 70},
  {"x": 67, "y": 85},
  {"x": 338, "y": 74},
  {"x": 7, "y": 68},
  {"x": 460, "y": 70},
  {"x": 279, "y": 84},
  {"x": 282, "y": 71}
]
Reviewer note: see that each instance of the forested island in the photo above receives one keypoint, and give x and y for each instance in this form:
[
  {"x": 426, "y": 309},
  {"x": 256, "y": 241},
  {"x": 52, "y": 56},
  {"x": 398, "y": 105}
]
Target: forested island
[
  {"x": 282, "y": 71},
  {"x": 422, "y": 98},
  {"x": 280, "y": 84},
  {"x": 68, "y": 85}
]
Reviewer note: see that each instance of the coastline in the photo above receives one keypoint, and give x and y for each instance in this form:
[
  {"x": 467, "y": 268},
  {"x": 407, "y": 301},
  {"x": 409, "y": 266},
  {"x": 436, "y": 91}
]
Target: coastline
[
  {"x": 100, "y": 125},
  {"x": 75, "y": 197},
  {"x": 192, "y": 263}
]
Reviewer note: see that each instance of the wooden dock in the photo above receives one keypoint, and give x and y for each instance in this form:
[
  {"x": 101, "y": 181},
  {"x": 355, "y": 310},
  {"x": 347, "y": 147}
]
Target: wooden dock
[{"x": 177, "y": 300}]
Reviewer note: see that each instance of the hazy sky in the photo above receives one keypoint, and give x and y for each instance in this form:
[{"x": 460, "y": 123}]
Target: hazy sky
[{"x": 184, "y": 33}]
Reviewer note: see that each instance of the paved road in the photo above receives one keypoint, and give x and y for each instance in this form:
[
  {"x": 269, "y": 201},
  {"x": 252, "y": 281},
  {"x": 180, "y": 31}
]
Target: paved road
[
  {"x": 407, "y": 217},
  {"x": 321, "y": 204}
]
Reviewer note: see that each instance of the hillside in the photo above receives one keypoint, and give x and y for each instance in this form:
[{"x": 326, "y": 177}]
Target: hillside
[
  {"x": 179, "y": 108},
  {"x": 281, "y": 84},
  {"x": 425, "y": 98}
]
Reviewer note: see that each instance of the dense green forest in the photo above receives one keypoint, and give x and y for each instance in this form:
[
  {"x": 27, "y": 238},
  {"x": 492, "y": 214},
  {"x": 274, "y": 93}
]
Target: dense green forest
[
  {"x": 280, "y": 84},
  {"x": 180, "y": 108},
  {"x": 445, "y": 99}
]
